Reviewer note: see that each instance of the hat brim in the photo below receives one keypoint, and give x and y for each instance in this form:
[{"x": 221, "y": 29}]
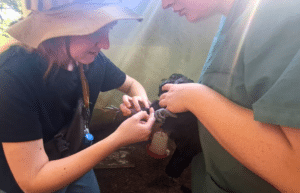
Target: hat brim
[{"x": 77, "y": 19}]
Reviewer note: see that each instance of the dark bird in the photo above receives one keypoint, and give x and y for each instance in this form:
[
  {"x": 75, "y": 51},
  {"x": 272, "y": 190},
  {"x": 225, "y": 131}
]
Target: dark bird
[{"x": 183, "y": 130}]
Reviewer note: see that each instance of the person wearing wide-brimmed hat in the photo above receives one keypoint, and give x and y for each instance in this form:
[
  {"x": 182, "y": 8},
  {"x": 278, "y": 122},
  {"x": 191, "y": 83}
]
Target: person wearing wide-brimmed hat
[{"x": 57, "y": 61}]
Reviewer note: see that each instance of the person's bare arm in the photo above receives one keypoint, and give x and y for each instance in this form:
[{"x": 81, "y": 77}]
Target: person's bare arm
[
  {"x": 35, "y": 173},
  {"x": 270, "y": 151}
]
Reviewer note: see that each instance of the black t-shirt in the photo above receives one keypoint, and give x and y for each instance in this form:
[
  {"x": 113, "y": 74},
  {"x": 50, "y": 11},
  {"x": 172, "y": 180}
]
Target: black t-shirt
[{"x": 32, "y": 108}]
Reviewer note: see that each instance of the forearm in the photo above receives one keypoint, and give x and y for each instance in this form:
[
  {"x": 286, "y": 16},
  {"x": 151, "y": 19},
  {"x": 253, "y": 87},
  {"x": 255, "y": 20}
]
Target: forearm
[
  {"x": 132, "y": 88},
  {"x": 57, "y": 174},
  {"x": 34, "y": 173},
  {"x": 263, "y": 148},
  {"x": 137, "y": 89}
]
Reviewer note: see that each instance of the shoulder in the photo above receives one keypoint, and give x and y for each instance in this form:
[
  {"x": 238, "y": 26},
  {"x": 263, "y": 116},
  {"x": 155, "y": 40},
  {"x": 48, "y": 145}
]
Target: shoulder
[
  {"x": 21, "y": 62},
  {"x": 272, "y": 42},
  {"x": 14, "y": 55},
  {"x": 20, "y": 72},
  {"x": 273, "y": 28},
  {"x": 272, "y": 56}
]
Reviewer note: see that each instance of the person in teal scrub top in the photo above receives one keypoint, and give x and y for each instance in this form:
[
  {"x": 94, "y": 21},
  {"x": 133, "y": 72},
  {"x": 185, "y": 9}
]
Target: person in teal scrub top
[{"x": 247, "y": 100}]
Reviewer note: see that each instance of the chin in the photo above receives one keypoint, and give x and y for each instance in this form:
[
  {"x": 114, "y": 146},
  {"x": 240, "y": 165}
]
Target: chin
[
  {"x": 192, "y": 19},
  {"x": 87, "y": 60},
  {"x": 195, "y": 18}
]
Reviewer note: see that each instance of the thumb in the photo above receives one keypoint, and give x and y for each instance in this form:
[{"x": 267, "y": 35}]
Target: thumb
[
  {"x": 166, "y": 87},
  {"x": 141, "y": 115},
  {"x": 151, "y": 118}
]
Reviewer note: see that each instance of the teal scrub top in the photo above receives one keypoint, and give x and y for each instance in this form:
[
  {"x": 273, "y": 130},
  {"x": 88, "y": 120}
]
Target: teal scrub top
[{"x": 255, "y": 62}]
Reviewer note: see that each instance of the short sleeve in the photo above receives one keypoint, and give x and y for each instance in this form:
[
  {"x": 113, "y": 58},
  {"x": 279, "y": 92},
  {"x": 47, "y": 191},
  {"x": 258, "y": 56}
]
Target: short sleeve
[
  {"x": 280, "y": 105},
  {"x": 18, "y": 110},
  {"x": 272, "y": 65},
  {"x": 113, "y": 77}
]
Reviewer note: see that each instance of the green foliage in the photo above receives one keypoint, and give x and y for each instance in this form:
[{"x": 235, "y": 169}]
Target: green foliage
[{"x": 5, "y": 22}]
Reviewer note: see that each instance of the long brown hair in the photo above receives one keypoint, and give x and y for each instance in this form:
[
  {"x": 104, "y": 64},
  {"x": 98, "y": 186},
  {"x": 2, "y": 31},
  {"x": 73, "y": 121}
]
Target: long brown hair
[{"x": 54, "y": 51}]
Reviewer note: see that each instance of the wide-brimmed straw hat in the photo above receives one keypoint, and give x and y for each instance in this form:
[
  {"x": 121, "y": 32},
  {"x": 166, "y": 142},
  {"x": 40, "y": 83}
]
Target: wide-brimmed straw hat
[{"x": 55, "y": 18}]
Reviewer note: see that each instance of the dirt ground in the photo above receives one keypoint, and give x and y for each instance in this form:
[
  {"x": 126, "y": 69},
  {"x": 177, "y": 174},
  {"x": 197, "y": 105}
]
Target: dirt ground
[
  {"x": 143, "y": 174},
  {"x": 131, "y": 169}
]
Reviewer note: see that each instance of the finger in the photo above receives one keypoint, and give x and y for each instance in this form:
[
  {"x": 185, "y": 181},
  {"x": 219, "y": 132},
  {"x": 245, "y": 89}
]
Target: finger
[
  {"x": 163, "y": 96},
  {"x": 166, "y": 87},
  {"x": 151, "y": 112},
  {"x": 146, "y": 103},
  {"x": 127, "y": 101},
  {"x": 141, "y": 115},
  {"x": 151, "y": 118},
  {"x": 126, "y": 112},
  {"x": 136, "y": 103},
  {"x": 162, "y": 103}
]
